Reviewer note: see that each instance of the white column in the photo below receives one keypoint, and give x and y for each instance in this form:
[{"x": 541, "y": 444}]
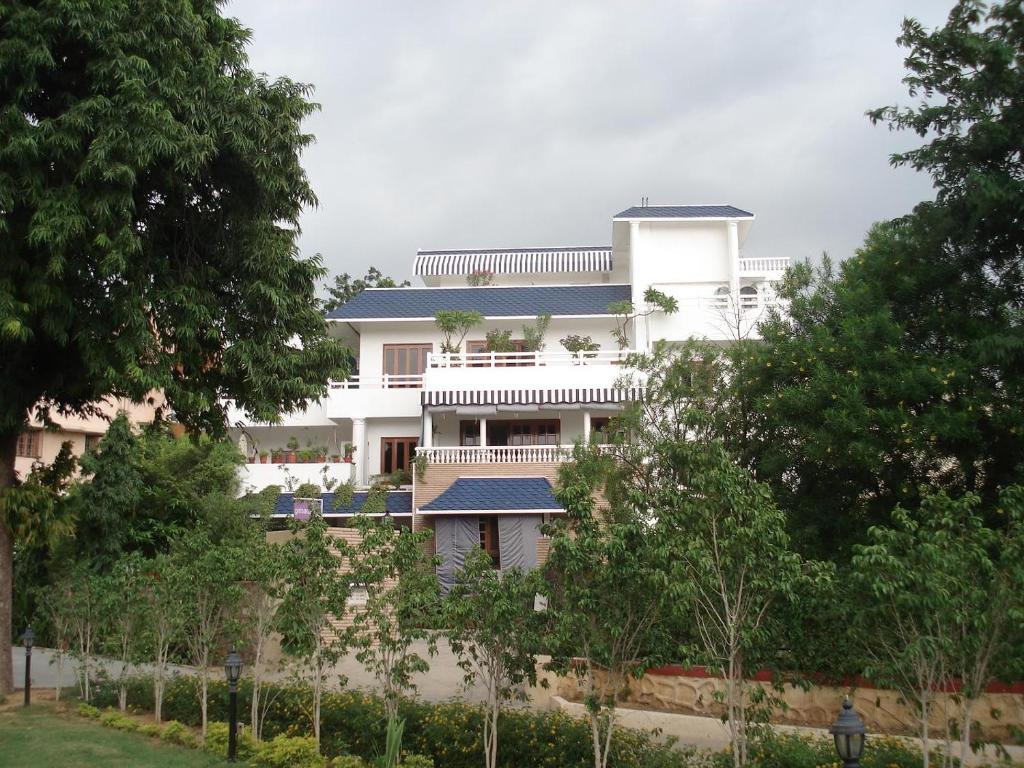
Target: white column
[
  {"x": 639, "y": 278},
  {"x": 586, "y": 427},
  {"x": 359, "y": 442},
  {"x": 483, "y": 432},
  {"x": 734, "y": 261},
  {"x": 428, "y": 429}
]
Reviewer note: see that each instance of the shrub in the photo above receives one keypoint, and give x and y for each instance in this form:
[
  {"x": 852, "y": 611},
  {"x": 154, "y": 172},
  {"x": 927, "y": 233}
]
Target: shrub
[
  {"x": 113, "y": 719},
  {"x": 792, "y": 751},
  {"x": 150, "y": 729},
  {"x": 287, "y": 752},
  {"x": 88, "y": 710},
  {"x": 217, "y": 741},
  {"x": 349, "y": 761},
  {"x": 177, "y": 733},
  {"x": 417, "y": 761}
]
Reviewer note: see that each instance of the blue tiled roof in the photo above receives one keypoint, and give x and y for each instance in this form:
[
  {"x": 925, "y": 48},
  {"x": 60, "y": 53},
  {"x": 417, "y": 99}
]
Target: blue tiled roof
[
  {"x": 398, "y": 503},
  {"x": 486, "y": 494},
  {"x": 684, "y": 212},
  {"x": 518, "y": 301}
]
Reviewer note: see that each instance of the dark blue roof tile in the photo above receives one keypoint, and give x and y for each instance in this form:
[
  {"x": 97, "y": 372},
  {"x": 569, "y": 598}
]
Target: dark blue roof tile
[
  {"x": 398, "y": 503},
  {"x": 684, "y": 212},
  {"x": 493, "y": 494},
  {"x": 513, "y": 301}
]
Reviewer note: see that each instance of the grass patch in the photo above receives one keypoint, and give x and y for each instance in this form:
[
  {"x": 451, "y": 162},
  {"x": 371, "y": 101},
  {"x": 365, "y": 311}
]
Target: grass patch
[{"x": 43, "y": 736}]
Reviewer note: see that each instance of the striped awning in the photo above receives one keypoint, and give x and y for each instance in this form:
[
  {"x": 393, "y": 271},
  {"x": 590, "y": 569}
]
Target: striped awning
[
  {"x": 515, "y": 261},
  {"x": 528, "y": 396}
]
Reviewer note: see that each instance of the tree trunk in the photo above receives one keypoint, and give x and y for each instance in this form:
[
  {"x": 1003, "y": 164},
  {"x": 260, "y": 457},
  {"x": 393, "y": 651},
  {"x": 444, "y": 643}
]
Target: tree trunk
[
  {"x": 60, "y": 672},
  {"x": 203, "y": 686},
  {"x": 925, "y": 747},
  {"x": 158, "y": 695},
  {"x": 965, "y": 729},
  {"x": 8, "y": 449}
]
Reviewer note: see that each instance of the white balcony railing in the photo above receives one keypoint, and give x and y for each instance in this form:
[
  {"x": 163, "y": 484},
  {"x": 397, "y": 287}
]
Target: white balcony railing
[
  {"x": 724, "y": 302},
  {"x": 495, "y": 454},
  {"x": 526, "y": 359},
  {"x": 764, "y": 266},
  {"x": 385, "y": 381}
]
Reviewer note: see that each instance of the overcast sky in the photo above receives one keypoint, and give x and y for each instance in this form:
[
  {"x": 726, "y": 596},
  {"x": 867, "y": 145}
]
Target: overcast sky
[{"x": 487, "y": 124}]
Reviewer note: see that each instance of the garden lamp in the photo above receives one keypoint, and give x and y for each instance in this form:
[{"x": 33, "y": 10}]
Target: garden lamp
[
  {"x": 29, "y": 639},
  {"x": 233, "y": 671},
  {"x": 849, "y": 734}
]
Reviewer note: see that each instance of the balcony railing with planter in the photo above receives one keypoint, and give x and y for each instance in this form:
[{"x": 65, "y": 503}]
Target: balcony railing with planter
[
  {"x": 526, "y": 359},
  {"x": 524, "y": 370},
  {"x": 495, "y": 454}
]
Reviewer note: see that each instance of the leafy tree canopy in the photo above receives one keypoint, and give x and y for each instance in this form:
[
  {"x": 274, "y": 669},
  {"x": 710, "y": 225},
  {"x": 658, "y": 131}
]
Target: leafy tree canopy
[
  {"x": 345, "y": 288},
  {"x": 150, "y": 193},
  {"x": 905, "y": 368}
]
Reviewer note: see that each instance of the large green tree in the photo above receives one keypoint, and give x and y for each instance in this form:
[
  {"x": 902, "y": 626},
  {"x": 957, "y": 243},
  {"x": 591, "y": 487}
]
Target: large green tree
[
  {"x": 905, "y": 368},
  {"x": 150, "y": 193}
]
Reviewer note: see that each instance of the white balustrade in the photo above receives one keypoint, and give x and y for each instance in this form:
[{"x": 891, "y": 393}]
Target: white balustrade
[
  {"x": 526, "y": 359},
  {"x": 764, "y": 265},
  {"x": 495, "y": 454},
  {"x": 384, "y": 381}
]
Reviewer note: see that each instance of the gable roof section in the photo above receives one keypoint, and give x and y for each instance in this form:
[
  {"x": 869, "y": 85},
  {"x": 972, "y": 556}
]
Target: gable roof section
[
  {"x": 398, "y": 503},
  {"x": 684, "y": 212},
  {"x": 496, "y": 494},
  {"x": 518, "y": 301}
]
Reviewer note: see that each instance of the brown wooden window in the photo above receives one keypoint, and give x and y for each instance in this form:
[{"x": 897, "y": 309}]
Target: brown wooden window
[
  {"x": 600, "y": 430},
  {"x": 92, "y": 443},
  {"x": 397, "y": 453},
  {"x": 532, "y": 432},
  {"x": 405, "y": 360},
  {"x": 469, "y": 432},
  {"x": 489, "y": 539},
  {"x": 30, "y": 444}
]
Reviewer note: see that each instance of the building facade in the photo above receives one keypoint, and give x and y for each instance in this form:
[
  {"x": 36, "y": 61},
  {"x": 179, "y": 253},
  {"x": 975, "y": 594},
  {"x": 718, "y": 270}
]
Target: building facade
[
  {"x": 41, "y": 445},
  {"x": 475, "y": 437}
]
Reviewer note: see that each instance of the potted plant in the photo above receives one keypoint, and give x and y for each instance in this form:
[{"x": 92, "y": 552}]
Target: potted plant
[
  {"x": 293, "y": 446},
  {"x": 335, "y": 458},
  {"x": 321, "y": 454},
  {"x": 277, "y": 456},
  {"x": 264, "y": 457},
  {"x": 349, "y": 450}
]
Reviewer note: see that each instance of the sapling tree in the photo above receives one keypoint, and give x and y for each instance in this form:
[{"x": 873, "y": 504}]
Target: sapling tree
[
  {"x": 945, "y": 602},
  {"x": 55, "y": 603},
  {"x": 345, "y": 288},
  {"x": 402, "y": 593},
  {"x": 166, "y": 617},
  {"x": 88, "y": 616},
  {"x": 264, "y": 577},
  {"x": 626, "y": 313},
  {"x": 605, "y": 593},
  {"x": 495, "y": 632},
  {"x": 126, "y": 620},
  {"x": 208, "y": 573},
  {"x": 454, "y": 324},
  {"x": 314, "y": 595},
  {"x": 717, "y": 540}
]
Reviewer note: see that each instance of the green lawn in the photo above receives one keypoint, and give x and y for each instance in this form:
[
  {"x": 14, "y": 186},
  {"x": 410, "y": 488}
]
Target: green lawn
[{"x": 41, "y": 737}]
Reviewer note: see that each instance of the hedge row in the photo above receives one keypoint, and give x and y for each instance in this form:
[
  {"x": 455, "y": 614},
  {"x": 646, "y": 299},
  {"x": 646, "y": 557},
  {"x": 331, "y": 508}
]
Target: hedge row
[{"x": 354, "y": 722}]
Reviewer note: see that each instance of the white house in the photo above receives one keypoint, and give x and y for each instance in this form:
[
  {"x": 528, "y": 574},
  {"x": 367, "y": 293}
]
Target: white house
[{"x": 492, "y": 427}]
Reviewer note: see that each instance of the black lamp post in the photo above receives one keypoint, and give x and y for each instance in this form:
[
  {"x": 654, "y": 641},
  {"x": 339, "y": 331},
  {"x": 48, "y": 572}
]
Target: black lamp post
[
  {"x": 849, "y": 733},
  {"x": 29, "y": 638},
  {"x": 233, "y": 671}
]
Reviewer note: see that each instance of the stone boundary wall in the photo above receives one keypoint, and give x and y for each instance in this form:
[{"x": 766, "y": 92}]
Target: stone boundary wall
[{"x": 692, "y": 692}]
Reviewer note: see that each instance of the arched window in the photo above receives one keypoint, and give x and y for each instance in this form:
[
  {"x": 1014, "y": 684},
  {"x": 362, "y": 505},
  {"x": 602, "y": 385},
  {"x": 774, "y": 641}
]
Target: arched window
[{"x": 748, "y": 296}]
